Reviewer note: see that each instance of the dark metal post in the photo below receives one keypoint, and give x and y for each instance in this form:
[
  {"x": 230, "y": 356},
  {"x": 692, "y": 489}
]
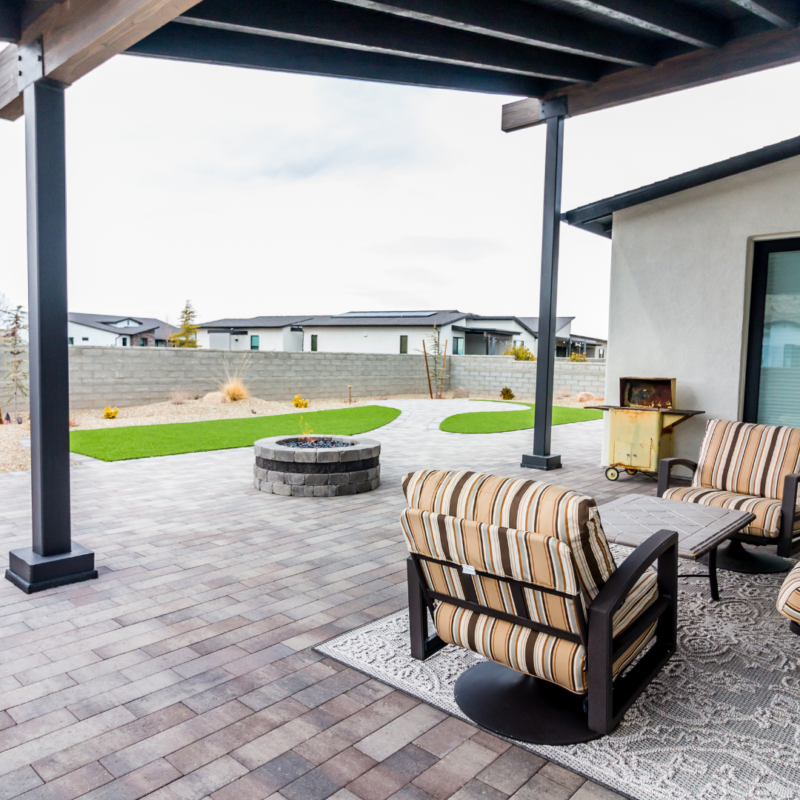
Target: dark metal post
[
  {"x": 54, "y": 560},
  {"x": 546, "y": 349}
]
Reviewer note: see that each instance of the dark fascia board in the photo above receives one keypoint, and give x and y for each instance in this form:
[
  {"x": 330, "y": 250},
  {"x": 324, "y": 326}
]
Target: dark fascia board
[
  {"x": 598, "y": 217},
  {"x": 465, "y": 329}
]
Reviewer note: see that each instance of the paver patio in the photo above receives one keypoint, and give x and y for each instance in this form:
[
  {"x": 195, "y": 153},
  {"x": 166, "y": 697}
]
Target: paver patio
[{"x": 186, "y": 670}]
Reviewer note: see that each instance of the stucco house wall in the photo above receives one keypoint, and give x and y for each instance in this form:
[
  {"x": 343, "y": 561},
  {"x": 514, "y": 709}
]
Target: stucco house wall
[
  {"x": 92, "y": 337},
  {"x": 680, "y": 288},
  {"x": 272, "y": 340},
  {"x": 372, "y": 338}
]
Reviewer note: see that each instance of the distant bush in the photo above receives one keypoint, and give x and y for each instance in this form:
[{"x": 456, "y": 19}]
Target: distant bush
[
  {"x": 299, "y": 402},
  {"x": 233, "y": 387},
  {"x": 506, "y": 393},
  {"x": 235, "y": 390},
  {"x": 578, "y": 357},
  {"x": 180, "y": 396},
  {"x": 110, "y": 413},
  {"x": 520, "y": 352}
]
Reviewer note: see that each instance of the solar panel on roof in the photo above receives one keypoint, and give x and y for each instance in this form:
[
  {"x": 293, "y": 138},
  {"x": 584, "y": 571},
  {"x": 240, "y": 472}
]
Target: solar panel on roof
[{"x": 374, "y": 314}]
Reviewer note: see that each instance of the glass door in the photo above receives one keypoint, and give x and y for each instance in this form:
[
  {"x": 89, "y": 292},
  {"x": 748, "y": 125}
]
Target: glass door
[{"x": 772, "y": 387}]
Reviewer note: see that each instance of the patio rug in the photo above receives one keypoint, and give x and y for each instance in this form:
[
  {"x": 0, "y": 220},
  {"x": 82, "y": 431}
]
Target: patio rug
[{"x": 722, "y": 720}]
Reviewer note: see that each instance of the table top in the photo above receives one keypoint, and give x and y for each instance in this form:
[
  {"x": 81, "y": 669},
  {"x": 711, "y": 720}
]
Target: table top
[{"x": 631, "y": 519}]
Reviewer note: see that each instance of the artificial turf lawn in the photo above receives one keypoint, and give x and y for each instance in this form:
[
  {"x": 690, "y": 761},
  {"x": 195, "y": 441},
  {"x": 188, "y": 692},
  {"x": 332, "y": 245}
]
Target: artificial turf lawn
[
  {"x": 518, "y": 420},
  {"x": 144, "y": 441}
]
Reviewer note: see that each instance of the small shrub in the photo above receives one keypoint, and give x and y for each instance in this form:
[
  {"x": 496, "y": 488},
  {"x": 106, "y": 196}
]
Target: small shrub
[
  {"x": 506, "y": 393},
  {"x": 180, "y": 396},
  {"x": 577, "y": 357},
  {"x": 520, "y": 352},
  {"x": 299, "y": 402},
  {"x": 110, "y": 413},
  {"x": 235, "y": 390}
]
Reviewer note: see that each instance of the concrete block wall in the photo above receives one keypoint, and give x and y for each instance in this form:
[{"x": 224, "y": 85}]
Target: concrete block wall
[
  {"x": 122, "y": 376},
  {"x": 6, "y": 406},
  {"x": 489, "y": 374}
]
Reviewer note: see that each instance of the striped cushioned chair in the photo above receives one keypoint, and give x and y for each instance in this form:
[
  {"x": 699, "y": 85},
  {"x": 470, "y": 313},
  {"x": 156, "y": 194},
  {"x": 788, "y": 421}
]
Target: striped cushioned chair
[
  {"x": 520, "y": 572},
  {"x": 789, "y": 599},
  {"x": 751, "y": 468}
]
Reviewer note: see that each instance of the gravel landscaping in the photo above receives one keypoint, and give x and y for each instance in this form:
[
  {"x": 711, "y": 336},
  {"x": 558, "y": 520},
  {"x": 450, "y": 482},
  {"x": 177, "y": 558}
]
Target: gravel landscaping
[{"x": 15, "y": 458}]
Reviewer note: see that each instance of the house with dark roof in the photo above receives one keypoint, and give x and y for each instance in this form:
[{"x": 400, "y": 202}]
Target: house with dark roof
[
  {"x": 705, "y": 283},
  {"x": 276, "y": 334},
  {"x": 108, "y": 330},
  {"x": 464, "y": 334}
]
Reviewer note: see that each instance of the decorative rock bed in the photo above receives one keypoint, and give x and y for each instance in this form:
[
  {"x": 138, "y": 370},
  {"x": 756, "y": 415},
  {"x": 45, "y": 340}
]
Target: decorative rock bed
[{"x": 288, "y": 466}]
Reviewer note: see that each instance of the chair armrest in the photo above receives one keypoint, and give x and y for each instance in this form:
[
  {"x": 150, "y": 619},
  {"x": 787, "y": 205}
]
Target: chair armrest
[
  {"x": 788, "y": 514},
  {"x": 665, "y": 471},
  {"x": 616, "y": 589},
  {"x": 605, "y": 706}
]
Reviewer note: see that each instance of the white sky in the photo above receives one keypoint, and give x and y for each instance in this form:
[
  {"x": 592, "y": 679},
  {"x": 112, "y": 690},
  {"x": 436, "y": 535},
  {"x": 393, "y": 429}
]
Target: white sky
[{"x": 265, "y": 193}]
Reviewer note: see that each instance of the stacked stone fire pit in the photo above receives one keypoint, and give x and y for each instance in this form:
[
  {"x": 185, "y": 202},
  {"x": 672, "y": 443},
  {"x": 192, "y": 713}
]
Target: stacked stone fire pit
[{"x": 317, "y": 466}]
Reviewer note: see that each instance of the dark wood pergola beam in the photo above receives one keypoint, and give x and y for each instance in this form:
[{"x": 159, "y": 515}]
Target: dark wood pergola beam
[
  {"x": 78, "y": 36},
  {"x": 780, "y": 13},
  {"x": 700, "y": 67},
  {"x": 182, "y": 42},
  {"x": 673, "y": 20},
  {"x": 340, "y": 25},
  {"x": 516, "y": 21}
]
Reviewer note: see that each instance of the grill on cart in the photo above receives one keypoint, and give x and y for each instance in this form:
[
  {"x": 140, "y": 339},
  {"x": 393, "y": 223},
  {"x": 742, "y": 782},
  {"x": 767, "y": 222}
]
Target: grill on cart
[{"x": 640, "y": 429}]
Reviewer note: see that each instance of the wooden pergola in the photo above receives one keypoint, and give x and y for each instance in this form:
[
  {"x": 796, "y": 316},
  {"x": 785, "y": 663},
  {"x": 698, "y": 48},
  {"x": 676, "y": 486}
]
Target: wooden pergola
[{"x": 563, "y": 57}]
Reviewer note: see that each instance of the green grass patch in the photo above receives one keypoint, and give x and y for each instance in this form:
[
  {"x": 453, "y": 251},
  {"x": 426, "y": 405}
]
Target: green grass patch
[
  {"x": 144, "y": 441},
  {"x": 517, "y": 420}
]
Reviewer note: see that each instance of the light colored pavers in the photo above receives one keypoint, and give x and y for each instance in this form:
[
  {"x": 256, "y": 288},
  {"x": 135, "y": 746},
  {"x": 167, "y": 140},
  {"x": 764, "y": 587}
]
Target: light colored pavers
[{"x": 185, "y": 671}]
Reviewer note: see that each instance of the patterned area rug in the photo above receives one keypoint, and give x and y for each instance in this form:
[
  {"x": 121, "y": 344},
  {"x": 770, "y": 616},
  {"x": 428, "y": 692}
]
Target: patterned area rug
[{"x": 721, "y": 721}]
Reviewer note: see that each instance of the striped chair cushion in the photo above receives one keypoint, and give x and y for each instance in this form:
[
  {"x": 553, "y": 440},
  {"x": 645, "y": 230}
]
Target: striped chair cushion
[
  {"x": 522, "y": 505},
  {"x": 539, "y": 654},
  {"x": 768, "y": 512},
  {"x": 789, "y": 597},
  {"x": 747, "y": 459}
]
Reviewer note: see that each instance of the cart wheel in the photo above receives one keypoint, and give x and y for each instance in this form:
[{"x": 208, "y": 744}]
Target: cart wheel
[
  {"x": 631, "y": 471},
  {"x": 612, "y": 473}
]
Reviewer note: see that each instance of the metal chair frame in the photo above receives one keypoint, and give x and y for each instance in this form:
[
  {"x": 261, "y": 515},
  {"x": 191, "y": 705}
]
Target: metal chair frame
[{"x": 608, "y": 699}]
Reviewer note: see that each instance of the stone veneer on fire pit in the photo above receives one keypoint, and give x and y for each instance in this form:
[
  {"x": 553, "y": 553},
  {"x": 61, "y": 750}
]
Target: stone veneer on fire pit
[{"x": 318, "y": 471}]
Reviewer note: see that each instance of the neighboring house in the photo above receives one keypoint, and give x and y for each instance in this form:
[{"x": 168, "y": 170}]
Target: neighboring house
[
  {"x": 277, "y": 334},
  {"x": 465, "y": 334},
  {"x": 104, "y": 330},
  {"x": 705, "y": 288}
]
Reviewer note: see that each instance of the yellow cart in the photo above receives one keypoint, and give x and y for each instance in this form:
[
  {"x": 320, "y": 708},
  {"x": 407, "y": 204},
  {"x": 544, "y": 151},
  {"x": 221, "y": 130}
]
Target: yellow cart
[{"x": 641, "y": 428}]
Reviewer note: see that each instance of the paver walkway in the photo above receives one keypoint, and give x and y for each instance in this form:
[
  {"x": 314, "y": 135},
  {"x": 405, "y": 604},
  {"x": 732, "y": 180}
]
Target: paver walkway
[{"x": 185, "y": 671}]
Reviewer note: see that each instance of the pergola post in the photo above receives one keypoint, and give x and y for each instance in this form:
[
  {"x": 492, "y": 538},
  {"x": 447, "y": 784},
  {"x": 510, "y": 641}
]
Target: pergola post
[
  {"x": 53, "y": 560},
  {"x": 541, "y": 458}
]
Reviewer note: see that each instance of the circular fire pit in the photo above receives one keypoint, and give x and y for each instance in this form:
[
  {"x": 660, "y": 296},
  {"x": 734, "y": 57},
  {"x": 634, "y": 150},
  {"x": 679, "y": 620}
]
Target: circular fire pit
[{"x": 317, "y": 466}]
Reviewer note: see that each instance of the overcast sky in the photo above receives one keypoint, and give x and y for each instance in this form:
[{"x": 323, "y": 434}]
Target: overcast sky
[{"x": 256, "y": 192}]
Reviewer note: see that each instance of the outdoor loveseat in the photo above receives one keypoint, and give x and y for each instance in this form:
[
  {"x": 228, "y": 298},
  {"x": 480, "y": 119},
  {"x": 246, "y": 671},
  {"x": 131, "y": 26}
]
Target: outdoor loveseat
[
  {"x": 520, "y": 572},
  {"x": 752, "y": 468}
]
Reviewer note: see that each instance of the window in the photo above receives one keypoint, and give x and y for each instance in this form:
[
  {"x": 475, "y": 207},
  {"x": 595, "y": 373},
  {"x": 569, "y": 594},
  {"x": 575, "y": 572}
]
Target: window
[
  {"x": 143, "y": 341},
  {"x": 254, "y": 342},
  {"x": 772, "y": 382},
  {"x": 71, "y": 340},
  {"x": 85, "y": 338},
  {"x": 313, "y": 342},
  {"x": 404, "y": 344},
  {"x": 458, "y": 345},
  {"x": 124, "y": 341}
]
